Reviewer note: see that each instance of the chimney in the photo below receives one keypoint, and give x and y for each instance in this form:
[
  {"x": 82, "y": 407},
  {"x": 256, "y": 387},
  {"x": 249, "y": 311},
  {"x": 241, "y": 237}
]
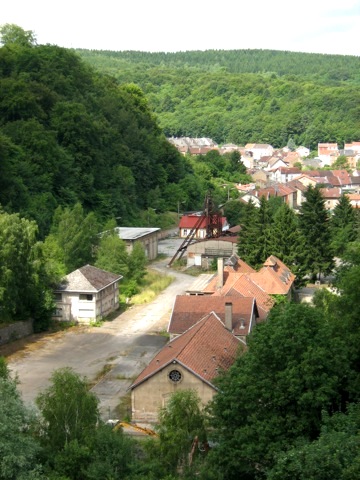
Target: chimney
[
  {"x": 220, "y": 271},
  {"x": 228, "y": 316}
]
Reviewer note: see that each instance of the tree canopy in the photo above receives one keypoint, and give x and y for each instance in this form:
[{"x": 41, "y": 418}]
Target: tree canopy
[
  {"x": 275, "y": 392},
  {"x": 244, "y": 96},
  {"x": 70, "y": 135}
]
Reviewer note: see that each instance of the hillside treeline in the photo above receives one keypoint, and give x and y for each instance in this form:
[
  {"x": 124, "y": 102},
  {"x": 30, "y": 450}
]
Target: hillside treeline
[
  {"x": 69, "y": 135},
  {"x": 245, "y": 96}
]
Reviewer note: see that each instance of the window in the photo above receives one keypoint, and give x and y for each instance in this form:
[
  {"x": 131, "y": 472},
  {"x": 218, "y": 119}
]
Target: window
[
  {"x": 58, "y": 312},
  {"x": 58, "y": 297},
  {"x": 86, "y": 296},
  {"x": 175, "y": 376}
]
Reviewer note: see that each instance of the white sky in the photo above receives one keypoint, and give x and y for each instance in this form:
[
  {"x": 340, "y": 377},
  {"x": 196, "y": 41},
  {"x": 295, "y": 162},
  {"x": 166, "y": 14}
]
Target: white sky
[{"x": 318, "y": 26}]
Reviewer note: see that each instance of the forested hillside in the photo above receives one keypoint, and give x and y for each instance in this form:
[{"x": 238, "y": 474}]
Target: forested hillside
[
  {"x": 69, "y": 134},
  {"x": 245, "y": 96}
]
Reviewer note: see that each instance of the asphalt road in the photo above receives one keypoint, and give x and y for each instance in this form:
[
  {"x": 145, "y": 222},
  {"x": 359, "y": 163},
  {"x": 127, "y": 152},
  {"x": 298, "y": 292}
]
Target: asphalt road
[{"x": 124, "y": 346}]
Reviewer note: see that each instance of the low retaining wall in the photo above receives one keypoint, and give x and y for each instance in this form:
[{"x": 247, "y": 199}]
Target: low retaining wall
[{"x": 15, "y": 331}]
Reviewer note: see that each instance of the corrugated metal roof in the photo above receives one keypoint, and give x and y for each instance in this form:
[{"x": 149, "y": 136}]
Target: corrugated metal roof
[{"x": 134, "y": 233}]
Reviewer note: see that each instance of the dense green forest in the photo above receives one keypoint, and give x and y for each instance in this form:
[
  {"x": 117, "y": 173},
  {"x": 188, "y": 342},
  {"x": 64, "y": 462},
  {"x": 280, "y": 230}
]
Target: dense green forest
[
  {"x": 69, "y": 134},
  {"x": 243, "y": 96}
]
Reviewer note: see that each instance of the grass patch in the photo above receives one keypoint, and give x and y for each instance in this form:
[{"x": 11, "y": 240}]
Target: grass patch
[
  {"x": 179, "y": 265},
  {"x": 164, "y": 333},
  {"x": 105, "y": 369},
  {"x": 121, "y": 376},
  {"x": 59, "y": 326},
  {"x": 152, "y": 284},
  {"x": 97, "y": 323}
]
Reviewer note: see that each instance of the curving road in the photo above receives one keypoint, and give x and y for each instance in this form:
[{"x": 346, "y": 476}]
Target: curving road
[{"x": 123, "y": 346}]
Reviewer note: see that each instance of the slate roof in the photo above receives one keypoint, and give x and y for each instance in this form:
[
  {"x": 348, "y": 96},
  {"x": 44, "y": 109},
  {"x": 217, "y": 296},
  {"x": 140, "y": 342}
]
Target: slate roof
[
  {"x": 88, "y": 279},
  {"x": 204, "y": 350},
  {"x": 189, "y": 309}
]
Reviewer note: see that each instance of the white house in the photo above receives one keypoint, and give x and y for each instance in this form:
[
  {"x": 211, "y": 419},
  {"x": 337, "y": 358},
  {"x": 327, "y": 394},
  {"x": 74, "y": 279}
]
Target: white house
[
  {"x": 86, "y": 294},
  {"x": 260, "y": 150},
  {"x": 303, "y": 151}
]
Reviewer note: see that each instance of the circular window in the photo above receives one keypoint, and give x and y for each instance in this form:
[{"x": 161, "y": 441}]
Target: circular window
[{"x": 175, "y": 376}]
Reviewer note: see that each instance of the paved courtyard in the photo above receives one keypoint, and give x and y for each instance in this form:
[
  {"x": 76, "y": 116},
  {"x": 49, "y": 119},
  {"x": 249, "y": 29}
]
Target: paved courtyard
[{"x": 122, "y": 346}]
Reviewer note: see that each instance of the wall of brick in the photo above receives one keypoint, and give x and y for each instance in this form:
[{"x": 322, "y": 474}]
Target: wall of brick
[{"x": 15, "y": 331}]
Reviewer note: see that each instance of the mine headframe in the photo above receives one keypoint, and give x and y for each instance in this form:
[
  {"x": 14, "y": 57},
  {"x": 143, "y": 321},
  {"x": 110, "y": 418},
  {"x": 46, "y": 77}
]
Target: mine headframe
[{"x": 210, "y": 219}]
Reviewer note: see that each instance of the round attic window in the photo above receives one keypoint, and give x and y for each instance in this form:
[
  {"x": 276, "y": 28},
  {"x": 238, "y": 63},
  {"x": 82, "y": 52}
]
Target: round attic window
[{"x": 175, "y": 376}]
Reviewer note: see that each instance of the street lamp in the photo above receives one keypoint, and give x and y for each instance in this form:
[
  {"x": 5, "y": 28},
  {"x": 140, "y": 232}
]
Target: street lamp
[
  {"x": 228, "y": 189},
  {"x": 148, "y": 213}
]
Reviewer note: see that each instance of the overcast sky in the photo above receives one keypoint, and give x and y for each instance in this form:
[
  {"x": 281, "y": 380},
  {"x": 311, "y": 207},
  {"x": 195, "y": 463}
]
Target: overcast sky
[{"x": 318, "y": 26}]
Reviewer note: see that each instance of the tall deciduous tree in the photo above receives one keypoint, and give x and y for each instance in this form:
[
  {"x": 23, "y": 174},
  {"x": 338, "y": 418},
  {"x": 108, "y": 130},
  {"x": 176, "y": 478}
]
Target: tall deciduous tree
[
  {"x": 181, "y": 421},
  {"x": 23, "y": 284},
  {"x": 77, "y": 235},
  {"x": 13, "y": 34},
  {"x": 18, "y": 449},
  {"x": 314, "y": 227},
  {"x": 345, "y": 309},
  {"x": 335, "y": 454},
  {"x": 137, "y": 262},
  {"x": 69, "y": 411},
  {"x": 275, "y": 392},
  {"x": 111, "y": 254}
]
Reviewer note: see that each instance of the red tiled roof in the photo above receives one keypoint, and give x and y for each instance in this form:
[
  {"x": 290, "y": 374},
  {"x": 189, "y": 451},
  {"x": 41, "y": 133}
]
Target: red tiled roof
[
  {"x": 274, "y": 277},
  {"x": 297, "y": 185},
  {"x": 246, "y": 287},
  {"x": 242, "y": 284},
  {"x": 236, "y": 264},
  {"x": 353, "y": 196},
  {"x": 205, "y": 349},
  {"x": 189, "y": 309},
  {"x": 289, "y": 170},
  {"x": 331, "y": 192},
  {"x": 189, "y": 221},
  {"x": 280, "y": 191}
]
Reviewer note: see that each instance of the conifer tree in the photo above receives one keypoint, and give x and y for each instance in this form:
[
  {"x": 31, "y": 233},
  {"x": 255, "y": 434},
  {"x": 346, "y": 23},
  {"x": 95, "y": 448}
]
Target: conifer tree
[
  {"x": 314, "y": 227},
  {"x": 287, "y": 241},
  {"x": 247, "y": 241},
  {"x": 254, "y": 245},
  {"x": 342, "y": 226}
]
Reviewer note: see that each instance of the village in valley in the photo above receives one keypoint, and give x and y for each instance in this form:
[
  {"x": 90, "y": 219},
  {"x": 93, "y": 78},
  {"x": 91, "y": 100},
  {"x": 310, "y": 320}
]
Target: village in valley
[
  {"x": 212, "y": 319},
  {"x": 175, "y": 301},
  {"x": 286, "y": 172}
]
